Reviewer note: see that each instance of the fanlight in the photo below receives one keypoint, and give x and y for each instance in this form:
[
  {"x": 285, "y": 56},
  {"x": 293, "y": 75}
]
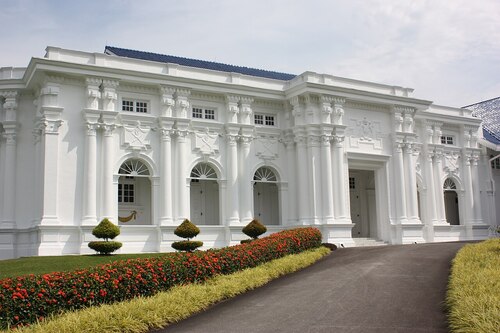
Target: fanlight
[
  {"x": 134, "y": 168},
  {"x": 203, "y": 171},
  {"x": 264, "y": 175},
  {"x": 449, "y": 185}
]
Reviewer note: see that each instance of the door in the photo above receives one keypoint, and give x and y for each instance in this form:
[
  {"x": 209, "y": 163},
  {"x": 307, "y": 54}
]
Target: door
[
  {"x": 266, "y": 203},
  {"x": 205, "y": 202}
]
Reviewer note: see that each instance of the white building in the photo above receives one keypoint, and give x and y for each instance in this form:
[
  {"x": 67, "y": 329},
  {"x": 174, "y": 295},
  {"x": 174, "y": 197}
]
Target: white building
[{"x": 159, "y": 138}]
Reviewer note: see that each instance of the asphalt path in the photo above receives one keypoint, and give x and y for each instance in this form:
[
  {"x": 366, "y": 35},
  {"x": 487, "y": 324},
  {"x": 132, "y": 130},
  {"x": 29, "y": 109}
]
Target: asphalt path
[{"x": 366, "y": 289}]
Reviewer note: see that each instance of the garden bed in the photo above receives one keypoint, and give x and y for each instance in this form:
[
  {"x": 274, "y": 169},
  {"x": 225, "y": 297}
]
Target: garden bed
[{"x": 28, "y": 299}]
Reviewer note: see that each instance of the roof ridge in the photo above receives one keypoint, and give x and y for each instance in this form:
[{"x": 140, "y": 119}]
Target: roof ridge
[
  {"x": 206, "y": 62},
  {"x": 488, "y": 100}
]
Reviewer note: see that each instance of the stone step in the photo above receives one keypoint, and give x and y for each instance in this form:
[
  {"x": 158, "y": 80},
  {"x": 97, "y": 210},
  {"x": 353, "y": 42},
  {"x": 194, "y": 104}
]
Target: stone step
[{"x": 368, "y": 242}]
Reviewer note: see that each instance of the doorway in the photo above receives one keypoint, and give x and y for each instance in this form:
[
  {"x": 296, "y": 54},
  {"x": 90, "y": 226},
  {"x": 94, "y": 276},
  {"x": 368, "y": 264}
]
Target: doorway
[
  {"x": 363, "y": 206},
  {"x": 204, "y": 195}
]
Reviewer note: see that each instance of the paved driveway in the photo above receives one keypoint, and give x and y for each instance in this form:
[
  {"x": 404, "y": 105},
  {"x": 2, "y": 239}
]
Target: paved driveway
[{"x": 377, "y": 289}]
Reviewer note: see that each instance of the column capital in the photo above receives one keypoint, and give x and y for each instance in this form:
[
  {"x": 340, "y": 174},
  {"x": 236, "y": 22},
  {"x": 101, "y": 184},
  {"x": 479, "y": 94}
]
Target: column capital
[
  {"x": 50, "y": 126},
  {"x": 92, "y": 128},
  {"x": 108, "y": 129},
  {"x": 338, "y": 140}
]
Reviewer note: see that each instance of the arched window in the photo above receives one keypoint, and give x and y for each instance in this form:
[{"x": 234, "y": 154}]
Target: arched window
[
  {"x": 264, "y": 174},
  {"x": 451, "y": 202},
  {"x": 449, "y": 184},
  {"x": 134, "y": 168},
  {"x": 203, "y": 171},
  {"x": 134, "y": 193},
  {"x": 266, "y": 196},
  {"x": 204, "y": 195}
]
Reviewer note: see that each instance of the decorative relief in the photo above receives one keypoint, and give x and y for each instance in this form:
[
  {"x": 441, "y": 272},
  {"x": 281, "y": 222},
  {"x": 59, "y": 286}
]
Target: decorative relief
[
  {"x": 92, "y": 128},
  {"x": 338, "y": 110},
  {"x": 266, "y": 148},
  {"x": 206, "y": 143},
  {"x": 451, "y": 163},
  {"x": 362, "y": 132},
  {"x": 135, "y": 137}
]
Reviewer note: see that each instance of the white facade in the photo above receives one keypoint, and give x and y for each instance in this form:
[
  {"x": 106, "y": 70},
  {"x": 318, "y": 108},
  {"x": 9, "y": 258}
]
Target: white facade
[{"x": 88, "y": 135}]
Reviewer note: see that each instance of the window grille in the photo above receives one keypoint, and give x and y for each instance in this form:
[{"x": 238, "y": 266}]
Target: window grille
[
  {"x": 449, "y": 185},
  {"x": 264, "y": 174},
  {"x": 131, "y": 105},
  {"x": 134, "y": 168},
  {"x": 352, "y": 183},
  {"x": 203, "y": 171}
]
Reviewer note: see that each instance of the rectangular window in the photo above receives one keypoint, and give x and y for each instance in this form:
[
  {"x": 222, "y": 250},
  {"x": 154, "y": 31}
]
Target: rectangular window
[
  {"x": 264, "y": 119},
  {"x": 130, "y": 105},
  {"x": 269, "y": 120},
  {"x": 200, "y": 113},
  {"x": 495, "y": 164},
  {"x": 352, "y": 183},
  {"x": 259, "y": 119},
  {"x": 197, "y": 113},
  {"x": 446, "y": 140},
  {"x": 126, "y": 193}
]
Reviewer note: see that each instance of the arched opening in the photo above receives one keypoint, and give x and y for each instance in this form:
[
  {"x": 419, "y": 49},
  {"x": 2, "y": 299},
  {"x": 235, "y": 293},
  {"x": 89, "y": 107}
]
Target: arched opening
[
  {"x": 134, "y": 193},
  {"x": 266, "y": 196},
  {"x": 451, "y": 202},
  {"x": 204, "y": 195}
]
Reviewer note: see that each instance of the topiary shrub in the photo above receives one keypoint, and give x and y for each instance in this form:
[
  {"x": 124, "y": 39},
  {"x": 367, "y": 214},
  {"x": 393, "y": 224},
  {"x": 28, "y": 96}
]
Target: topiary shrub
[
  {"x": 105, "y": 230},
  {"x": 187, "y": 245},
  {"x": 105, "y": 247},
  {"x": 254, "y": 229},
  {"x": 187, "y": 230}
]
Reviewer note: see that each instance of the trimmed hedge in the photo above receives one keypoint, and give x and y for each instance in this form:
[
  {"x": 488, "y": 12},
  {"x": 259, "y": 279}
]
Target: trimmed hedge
[
  {"x": 187, "y": 245},
  {"x": 27, "y": 299},
  {"x": 254, "y": 229},
  {"x": 105, "y": 247}
]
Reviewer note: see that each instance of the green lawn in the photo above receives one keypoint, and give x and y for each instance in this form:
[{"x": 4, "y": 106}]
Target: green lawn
[
  {"x": 473, "y": 296},
  {"x": 41, "y": 265}
]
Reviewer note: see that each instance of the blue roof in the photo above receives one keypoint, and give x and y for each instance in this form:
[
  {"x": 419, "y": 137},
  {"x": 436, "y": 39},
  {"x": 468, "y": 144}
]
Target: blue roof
[
  {"x": 196, "y": 63},
  {"x": 489, "y": 112}
]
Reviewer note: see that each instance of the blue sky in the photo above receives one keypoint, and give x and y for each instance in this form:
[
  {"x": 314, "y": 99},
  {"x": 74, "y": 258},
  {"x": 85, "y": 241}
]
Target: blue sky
[{"x": 447, "y": 50}]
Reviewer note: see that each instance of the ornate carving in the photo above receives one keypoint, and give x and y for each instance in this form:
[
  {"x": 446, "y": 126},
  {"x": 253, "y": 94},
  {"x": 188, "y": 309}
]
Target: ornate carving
[
  {"x": 108, "y": 129},
  {"x": 232, "y": 139},
  {"x": 398, "y": 121},
  {"x": 92, "y": 128},
  {"x": 135, "y": 137},
  {"x": 266, "y": 148},
  {"x": 206, "y": 143},
  {"x": 10, "y": 138},
  {"x": 338, "y": 110},
  {"x": 51, "y": 126},
  {"x": 338, "y": 140},
  {"x": 451, "y": 164},
  {"x": 166, "y": 134}
]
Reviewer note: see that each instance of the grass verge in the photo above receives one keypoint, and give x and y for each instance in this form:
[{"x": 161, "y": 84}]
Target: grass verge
[
  {"x": 143, "y": 314},
  {"x": 41, "y": 265},
  {"x": 473, "y": 297}
]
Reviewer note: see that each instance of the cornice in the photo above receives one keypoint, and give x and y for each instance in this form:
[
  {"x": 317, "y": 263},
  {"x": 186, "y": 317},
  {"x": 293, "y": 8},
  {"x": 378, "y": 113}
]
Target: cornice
[{"x": 367, "y": 106}]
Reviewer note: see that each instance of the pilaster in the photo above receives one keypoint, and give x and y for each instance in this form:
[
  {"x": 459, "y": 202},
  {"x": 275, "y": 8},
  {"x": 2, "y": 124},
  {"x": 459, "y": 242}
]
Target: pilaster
[
  {"x": 166, "y": 185},
  {"x": 232, "y": 175},
  {"x": 10, "y": 128}
]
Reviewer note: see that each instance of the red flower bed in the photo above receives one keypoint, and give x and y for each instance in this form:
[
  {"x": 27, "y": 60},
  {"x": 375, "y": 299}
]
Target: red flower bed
[{"x": 26, "y": 299}]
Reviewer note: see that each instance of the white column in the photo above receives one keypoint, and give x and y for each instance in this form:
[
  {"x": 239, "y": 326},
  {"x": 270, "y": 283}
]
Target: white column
[
  {"x": 411, "y": 185},
  {"x": 232, "y": 179},
  {"x": 399, "y": 182},
  {"x": 108, "y": 193},
  {"x": 438, "y": 181},
  {"x": 302, "y": 177},
  {"x": 90, "y": 176},
  {"x": 326, "y": 179},
  {"x": 292, "y": 180},
  {"x": 9, "y": 176},
  {"x": 314, "y": 167},
  {"x": 166, "y": 177},
  {"x": 245, "y": 178},
  {"x": 430, "y": 184},
  {"x": 340, "y": 207},
  {"x": 183, "y": 173},
  {"x": 476, "y": 181}
]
